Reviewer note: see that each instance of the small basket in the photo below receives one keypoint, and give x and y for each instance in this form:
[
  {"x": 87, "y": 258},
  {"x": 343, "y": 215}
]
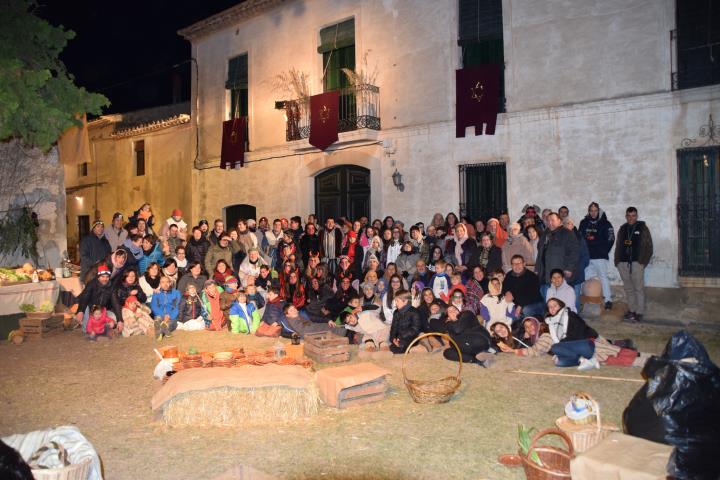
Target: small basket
[
  {"x": 556, "y": 462},
  {"x": 585, "y": 436},
  {"x": 38, "y": 315},
  {"x": 73, "y": 471},
  {"x": 432, "y": 391}
]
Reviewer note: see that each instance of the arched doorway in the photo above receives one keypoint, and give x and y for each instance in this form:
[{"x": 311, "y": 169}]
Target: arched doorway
[
  {"x": 233, "y": 213},
  {"x": 343, "y": 191}
]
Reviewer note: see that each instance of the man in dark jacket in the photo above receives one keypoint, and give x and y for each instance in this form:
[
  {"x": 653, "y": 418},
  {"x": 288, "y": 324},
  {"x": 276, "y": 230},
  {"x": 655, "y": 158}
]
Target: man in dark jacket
[
  {"x": 557, "y": 248},
  {"x": 97, "y": 292},
  {"x": 633, "y": 251},
  {"x": 599, "y": 235},
  {"x": 406, "y": 324},
  {"x": 93, "y": 247},
  {"x": 197, "y": 247},
  {"x": 525, "y": 288}
]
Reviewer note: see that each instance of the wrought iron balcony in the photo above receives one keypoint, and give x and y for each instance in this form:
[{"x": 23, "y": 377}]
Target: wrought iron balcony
[{"x": 359, "y": 107}]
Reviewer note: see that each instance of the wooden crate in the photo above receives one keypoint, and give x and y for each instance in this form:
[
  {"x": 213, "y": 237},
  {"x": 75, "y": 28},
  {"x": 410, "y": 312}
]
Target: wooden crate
[
  {"x": 327, "y": 348},
  {"x": 361, "y": 394},
  {"x": 41, "y": 328}
]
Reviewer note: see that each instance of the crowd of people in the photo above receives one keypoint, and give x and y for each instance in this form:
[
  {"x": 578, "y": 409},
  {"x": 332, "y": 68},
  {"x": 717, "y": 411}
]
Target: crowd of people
[{"x": 493, "y": 286}]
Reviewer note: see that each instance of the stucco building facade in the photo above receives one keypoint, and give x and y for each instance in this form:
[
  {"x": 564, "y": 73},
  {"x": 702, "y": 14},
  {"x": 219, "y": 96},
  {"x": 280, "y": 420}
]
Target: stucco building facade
[{"x": 591, "y": 112}]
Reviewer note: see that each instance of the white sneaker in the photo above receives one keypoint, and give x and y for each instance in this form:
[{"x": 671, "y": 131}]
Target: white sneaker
[{"x": 586, "y": 364}]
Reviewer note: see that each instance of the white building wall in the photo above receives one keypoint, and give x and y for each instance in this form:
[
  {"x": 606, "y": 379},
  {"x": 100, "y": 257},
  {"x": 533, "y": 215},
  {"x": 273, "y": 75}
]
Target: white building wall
[{"x": 590, "y": 113}]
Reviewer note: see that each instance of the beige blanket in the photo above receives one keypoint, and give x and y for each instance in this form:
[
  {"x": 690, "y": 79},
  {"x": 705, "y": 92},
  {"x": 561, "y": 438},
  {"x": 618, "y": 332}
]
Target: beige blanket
[
  {"x": 244, "y": 377},
  {"x": 331, "y": 381}
]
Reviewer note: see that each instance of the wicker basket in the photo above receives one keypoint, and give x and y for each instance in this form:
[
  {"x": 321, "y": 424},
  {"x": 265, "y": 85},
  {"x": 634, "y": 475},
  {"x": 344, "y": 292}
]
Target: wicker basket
[
  {"x": 75, "y": 471},
  {"x": 586, "y": 435},
  {"x": 556, "y": 462},
  {"x": 432, "y": 391},
  {"x": 38, "y": 315}
]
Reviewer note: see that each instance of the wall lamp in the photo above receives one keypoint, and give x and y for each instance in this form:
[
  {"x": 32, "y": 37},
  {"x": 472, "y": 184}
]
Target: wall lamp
[{"x": 397, "y": 181}]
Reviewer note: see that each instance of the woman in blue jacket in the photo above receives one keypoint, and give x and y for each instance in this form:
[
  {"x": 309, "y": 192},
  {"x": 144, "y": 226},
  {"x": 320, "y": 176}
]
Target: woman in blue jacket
[{"x": 151, "y": 253}]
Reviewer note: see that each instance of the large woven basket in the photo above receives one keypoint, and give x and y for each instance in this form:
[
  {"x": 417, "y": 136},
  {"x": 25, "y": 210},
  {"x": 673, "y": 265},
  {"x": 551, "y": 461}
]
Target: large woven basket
[
  {"x": 556, "y": 462},
  {"x": 586, "y": 435},
  {"x": 75, "y": 471},
  {"x": 432, "y": 391}
]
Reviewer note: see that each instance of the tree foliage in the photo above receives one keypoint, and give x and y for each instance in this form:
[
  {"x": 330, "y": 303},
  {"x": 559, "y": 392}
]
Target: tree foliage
[{"x": 38, "y": 97}]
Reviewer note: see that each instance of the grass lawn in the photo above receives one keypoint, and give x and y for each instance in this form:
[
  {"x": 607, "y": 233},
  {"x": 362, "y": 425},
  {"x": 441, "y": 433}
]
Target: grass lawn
[{"x": 105, "y": 389}]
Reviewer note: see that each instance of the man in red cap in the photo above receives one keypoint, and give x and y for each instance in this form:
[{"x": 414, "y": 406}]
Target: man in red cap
[
  {"x": 174, "y": 219},
  {"x": 97, "y": 291}
]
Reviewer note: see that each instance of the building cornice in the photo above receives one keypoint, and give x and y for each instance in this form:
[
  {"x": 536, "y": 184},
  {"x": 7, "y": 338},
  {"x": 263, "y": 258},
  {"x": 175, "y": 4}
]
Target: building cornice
[
  {"x": 231, "y": 16},
  {"x": 152, "y": 127}
]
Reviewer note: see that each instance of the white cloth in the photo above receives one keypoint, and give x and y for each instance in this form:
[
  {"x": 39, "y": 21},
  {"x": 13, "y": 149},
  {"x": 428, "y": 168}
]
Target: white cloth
[
  {"x": 193, "y": 325},
  {"x": 387, "y": 311},
  {"x": 558, "y": 325},
  {"x": 497, "y": 310},
  {"x": 145, "y": 286},
  {"x": 392, "y": 252},
  {"x": 12, "y": 296},
  {"x": 78, "y": 447}
]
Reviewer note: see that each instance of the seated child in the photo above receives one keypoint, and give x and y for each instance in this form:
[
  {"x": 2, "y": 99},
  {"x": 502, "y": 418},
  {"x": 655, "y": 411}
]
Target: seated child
[
  {"x": 99, "y": 324},
  {"x": 406, "y": 323},
  {"x": 456, "y": 284},
  {"x": 253, "y": 296},
  {"x": 244, "y": 317},
  {"x": 136, "y": 318},
  {"x": 440, "y": 282},
  {"x": 165, "y": 307},
  {"x": 495, "y": 307},
  {"x": 374, "y": 332},
  {"x": 228, "y": 297},
  {"x": 192, "y": 311}
]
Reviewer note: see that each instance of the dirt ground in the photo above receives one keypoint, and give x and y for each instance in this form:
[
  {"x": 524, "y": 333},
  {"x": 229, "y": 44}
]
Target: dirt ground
[{"x": 105, "y": 390}]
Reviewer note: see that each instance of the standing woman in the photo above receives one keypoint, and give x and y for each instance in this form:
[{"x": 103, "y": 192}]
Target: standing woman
[
  {"x": 533, "y": 237},
  {"x": 488, "y": 256},
  {"x": 462, "y": 249},
  {"x": 450, "y": 221},
  {"x": 144, "y": 213}
]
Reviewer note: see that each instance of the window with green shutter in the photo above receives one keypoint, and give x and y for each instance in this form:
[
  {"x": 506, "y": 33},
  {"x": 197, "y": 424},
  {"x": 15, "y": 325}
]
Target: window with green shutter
[
  {"x": 337, "y": 46},
  {"x": 481, "y": 36},
  {"x": 237, "y": 83}
]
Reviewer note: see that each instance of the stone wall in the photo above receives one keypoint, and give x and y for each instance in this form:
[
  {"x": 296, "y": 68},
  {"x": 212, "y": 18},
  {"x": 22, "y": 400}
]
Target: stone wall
[{"x": 31, "y": 177}]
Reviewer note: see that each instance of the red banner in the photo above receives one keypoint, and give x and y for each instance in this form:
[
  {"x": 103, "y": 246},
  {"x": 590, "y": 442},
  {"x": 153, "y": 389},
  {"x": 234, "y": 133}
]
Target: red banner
[
  {"x": 324, "y": 119},
  {"x": 477, "y": 95},
  {"x": 233, "y": 143}
]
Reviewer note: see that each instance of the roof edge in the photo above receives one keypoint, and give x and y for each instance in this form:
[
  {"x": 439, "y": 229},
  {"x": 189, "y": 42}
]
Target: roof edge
[{"x": 232, "y": 15}]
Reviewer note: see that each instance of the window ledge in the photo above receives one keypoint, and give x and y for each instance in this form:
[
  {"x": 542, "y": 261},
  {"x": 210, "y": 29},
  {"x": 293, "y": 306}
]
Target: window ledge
[{"x": 353, "y": 137}]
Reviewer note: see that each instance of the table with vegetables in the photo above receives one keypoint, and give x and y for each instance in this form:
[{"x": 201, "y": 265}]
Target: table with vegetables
[{"x": 18, "y": 287}]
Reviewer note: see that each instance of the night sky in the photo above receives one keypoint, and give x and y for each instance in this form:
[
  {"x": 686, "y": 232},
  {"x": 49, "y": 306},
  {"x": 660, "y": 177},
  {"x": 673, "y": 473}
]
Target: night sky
[{"x": 126, "y": 50}]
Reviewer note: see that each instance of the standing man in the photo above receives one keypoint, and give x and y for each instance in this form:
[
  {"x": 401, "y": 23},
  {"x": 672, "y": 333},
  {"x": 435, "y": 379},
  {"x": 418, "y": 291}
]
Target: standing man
[
  {"x": 330, "y": 244},
  {"x": 217, "y": 231},
  {"x": 93, "y": 247},
  {"x": 633, "y": 251},
  {"x": 175, "y": 218},
  {"x": 116, "y": 234},
  {"x": 557, "y": 248},
  {"x": 599, "y": 235}
]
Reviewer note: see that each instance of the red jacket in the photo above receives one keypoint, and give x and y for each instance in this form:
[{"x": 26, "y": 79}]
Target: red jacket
[{"x": 97, "y": 326}]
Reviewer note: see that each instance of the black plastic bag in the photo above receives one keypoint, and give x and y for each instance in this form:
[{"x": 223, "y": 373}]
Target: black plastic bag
[{"x": 680, "y": 405}]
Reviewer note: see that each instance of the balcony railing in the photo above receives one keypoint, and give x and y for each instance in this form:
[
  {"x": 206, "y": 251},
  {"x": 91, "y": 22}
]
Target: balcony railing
[{"x": 359, "y": 108}]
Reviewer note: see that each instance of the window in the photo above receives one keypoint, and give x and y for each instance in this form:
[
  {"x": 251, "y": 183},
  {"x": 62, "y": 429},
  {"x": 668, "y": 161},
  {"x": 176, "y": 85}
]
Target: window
[
  {"x": 483, "y": 190},
  {"x": 83, "y": 169},
  {"x": 481, "y": 37},
  {"x": 139, "y": 148},
  {"x": 237, "y": 84},
  {"x": 337, "y": 46},
  {"x": 698, "y": 43}
]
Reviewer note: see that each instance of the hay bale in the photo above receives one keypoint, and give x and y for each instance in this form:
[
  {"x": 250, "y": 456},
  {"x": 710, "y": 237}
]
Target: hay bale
[{"x": 237, "y": 396}]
